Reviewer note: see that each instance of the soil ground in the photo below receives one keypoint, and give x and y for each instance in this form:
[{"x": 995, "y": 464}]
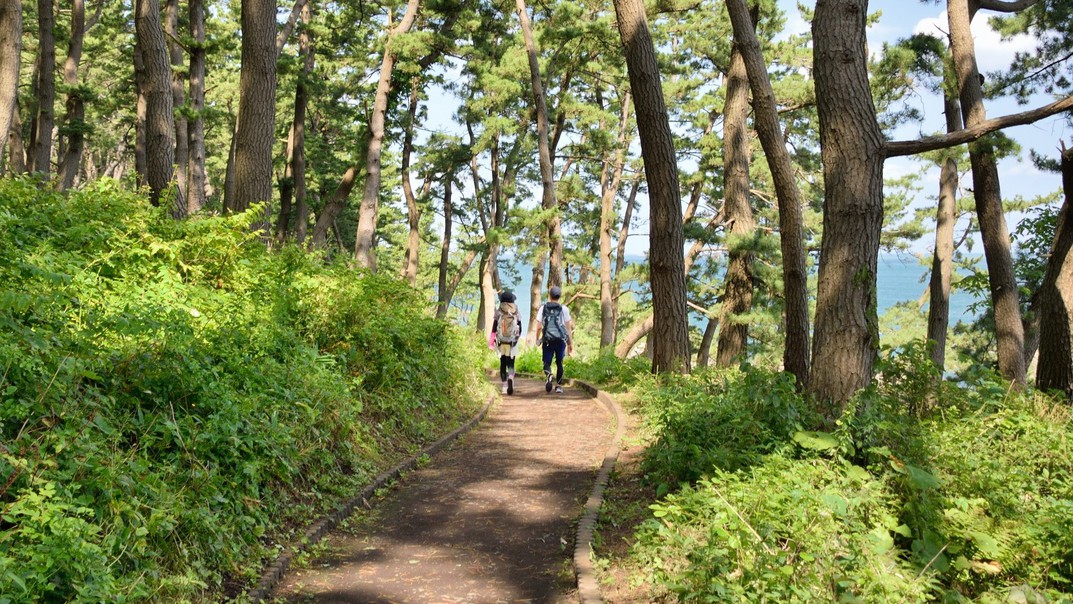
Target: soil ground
[{"x": 492, "y": 519}]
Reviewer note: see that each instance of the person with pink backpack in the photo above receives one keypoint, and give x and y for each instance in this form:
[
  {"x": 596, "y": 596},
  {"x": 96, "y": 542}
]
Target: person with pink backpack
[{"x": 506, "y": 333}]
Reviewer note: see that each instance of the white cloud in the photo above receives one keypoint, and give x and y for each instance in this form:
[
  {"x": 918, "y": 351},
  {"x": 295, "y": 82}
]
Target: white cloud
[{"x": 992, "y": 52}]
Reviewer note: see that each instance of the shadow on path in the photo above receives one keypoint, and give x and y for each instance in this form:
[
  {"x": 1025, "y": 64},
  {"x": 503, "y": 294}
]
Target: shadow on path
[{"x": 489, "y": 520}]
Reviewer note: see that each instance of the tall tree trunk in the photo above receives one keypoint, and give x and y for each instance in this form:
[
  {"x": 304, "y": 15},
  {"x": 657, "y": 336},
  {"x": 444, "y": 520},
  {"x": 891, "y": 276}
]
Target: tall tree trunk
[
  {"x": 607, "y": 222},
  {"x": 737, "y": 149},
  {"x": 620, "y": 252},
  {"x": 413, "y": 211},
  {"x": 178, "y": 94},
  {"x": 10, "y": 53},
  {"x": 159, "y": 118},
  {"x": 16, "y": 152},
  {"x": 294, "y": 178},
  {"x": 255, "y": 130},
  {"x": 547, "y": 169},
  {"x": 670, "y": 330},
  {"x": 370, "y": 201},
  {"x": 847, "y": 334},
  {"x": 195, "y": 198},
  {"x": 75, "y": 118},
  {"x": 45, "y": 90},
  {"x": 140, "y": 79},
  {"x": 326, "y": 217},
  {"x": 704, "y": 351},
  {"x": 791, "y": 225},
  {"x": 445, "y": 248},
  {"x": 1055, "y": 369},
  {"x": 942, "y": 263},
  {"x": 1009, "y": 331}
]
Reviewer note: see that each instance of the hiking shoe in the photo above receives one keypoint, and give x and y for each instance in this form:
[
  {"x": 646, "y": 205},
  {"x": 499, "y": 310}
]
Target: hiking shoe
[
  {"x": 547, "y": 383},
  {"x": 503, "y": 388},
  {"x": 510, "y": 385},
  {"x": 558, "y": 390}
]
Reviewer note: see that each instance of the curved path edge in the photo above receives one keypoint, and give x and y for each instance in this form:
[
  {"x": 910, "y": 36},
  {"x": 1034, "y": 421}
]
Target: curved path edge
[
  {"x": 275, "y": 571},
  {"x": 587, "y": 586}
]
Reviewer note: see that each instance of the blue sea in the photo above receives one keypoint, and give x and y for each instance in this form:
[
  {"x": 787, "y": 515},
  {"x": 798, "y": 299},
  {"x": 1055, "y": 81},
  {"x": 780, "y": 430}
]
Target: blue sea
[{"x": 901, "y": 278}]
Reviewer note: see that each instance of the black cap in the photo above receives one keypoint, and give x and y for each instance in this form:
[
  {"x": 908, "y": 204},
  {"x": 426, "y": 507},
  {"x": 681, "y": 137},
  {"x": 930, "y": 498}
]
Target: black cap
[
  {"x": 507, "y": 295},
  {"x": 556, "y": 292}
]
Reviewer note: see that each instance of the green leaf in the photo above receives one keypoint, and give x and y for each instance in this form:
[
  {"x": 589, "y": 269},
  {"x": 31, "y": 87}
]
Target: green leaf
[{"x": 816, "y": 441}]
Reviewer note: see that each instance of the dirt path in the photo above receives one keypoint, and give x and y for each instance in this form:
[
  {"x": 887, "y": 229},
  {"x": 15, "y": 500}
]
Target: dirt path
[{"x": 492, "y": 519}]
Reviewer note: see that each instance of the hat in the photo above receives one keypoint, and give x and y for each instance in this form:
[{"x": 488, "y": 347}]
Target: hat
[
  {"x": 507, "y": 295},
  {"x": 556, "y": 292}
]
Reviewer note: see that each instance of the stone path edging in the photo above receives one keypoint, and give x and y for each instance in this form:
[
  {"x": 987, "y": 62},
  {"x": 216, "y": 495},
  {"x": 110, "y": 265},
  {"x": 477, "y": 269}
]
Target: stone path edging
[
  {"x": 587, "y": 586},
  {"x": 275, "y": 571}
]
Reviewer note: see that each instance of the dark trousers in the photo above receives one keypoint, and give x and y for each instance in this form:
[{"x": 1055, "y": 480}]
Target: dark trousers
[
  {"x": 506, "y": 367},
  {"x": 554, "y": 349}
]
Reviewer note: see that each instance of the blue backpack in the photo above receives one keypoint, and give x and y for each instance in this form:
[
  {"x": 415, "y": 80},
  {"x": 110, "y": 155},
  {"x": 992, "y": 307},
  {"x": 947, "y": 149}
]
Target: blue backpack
[{"x": 554, "y": 327}]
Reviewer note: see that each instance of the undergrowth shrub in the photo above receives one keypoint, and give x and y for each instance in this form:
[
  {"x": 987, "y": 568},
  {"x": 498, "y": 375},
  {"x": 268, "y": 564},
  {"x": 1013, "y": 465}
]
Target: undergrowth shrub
[
  {"x": 927, "y": 490},
  {"x": 177, "y": 401}
]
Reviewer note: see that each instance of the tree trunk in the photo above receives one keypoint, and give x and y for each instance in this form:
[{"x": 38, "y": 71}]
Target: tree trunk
[
  {"x": 75, "y": 118},
  {"x": 1009, "y": 331},
  {"x": 410, "y": 262},
  {"x": 370, "y": 201},
  {"x": 670, "y": 330},
  {"x": 178, "y": 93},
  {"x": 16, "y": 152},
  {"x": 255, "y": 130},
  {"x": 1055, "y": 369},
  {"x": 607, "y": 222},
  {"x": 445, "y": 248},
  {"x": 140, "y": 156},
  {"x": 633, "y": 336},
  {"x": 547, "y": 169},
  {"x": 791, "y": 230},
  {"x": 738, "y": 291},
  {"x": 195, "y": 198},
  {"x": 326, "y": 217},
  {"x": 704, "y": 352},
  {"x": 10, "y": 53},
  {"x": 159, "y": 119},
  {"x": 942, "y": 263},
  {"x": 301, "y": 104},
  {"x": 847, "y": 334},
  {"x": 45, "y": 90},
  {"x": 620, "y": 252}
]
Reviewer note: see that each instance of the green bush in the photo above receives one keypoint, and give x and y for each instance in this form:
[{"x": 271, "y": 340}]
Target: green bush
[
  {"x": 177, "y": 402},
  {"x": 926, "y": 491}
]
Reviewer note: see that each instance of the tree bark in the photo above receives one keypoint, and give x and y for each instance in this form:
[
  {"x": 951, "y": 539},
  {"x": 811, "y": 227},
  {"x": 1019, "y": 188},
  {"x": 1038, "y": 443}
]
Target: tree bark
[
  {"x": 75, "y": 118},
  {"x": 445, "y": 248},
  {"x": 737, "y": 149},
  {"x": 10, "y": 53},
  {"x": 546, "y": 161},
  {"x": 364, "y": 252},
  {"x": 195, "y": 198},
  {"x": 1055, "y": 369},
  {"x": 326, "y": 217},
  {"x": 796, "y": 359},
  {"x": 411, "y": 261},
  {"x": 705, "y": 349},
  {"x": 159, "y": 118},
  {"x": 256, "y": 122},
  {"x": 16, "y": 152},
  {"x": 45, "y": 90},
  {"x": 942, "y": 263},
  {"x": 1009, "y": 330},
  {"x": 607, "y": 222},
  {"x": 178, "y": 93},
  {"x": 301, "y": 104},
  {"x": 670, "y": 329},
  {"x": 847, "y": 334}
]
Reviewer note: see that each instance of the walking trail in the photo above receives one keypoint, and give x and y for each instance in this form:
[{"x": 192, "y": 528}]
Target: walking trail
[{"x": 491, "y": 519}]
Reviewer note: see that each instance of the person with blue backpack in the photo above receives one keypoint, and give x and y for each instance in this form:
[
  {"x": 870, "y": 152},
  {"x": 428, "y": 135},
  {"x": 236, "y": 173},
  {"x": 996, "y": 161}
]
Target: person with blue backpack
[{"x": 554, "y": 330}]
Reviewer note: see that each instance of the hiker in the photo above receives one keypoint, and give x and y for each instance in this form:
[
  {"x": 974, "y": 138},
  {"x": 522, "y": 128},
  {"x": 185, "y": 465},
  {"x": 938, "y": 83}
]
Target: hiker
[
  {"x": 506, "y": 332},
  {"x": 553, "y": 319}
]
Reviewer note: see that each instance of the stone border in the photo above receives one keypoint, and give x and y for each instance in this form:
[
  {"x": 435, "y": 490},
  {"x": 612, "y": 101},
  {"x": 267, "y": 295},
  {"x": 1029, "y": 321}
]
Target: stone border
[
  {"x": 587, "y": 586},
  {"x": 272, "y": 575}
]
